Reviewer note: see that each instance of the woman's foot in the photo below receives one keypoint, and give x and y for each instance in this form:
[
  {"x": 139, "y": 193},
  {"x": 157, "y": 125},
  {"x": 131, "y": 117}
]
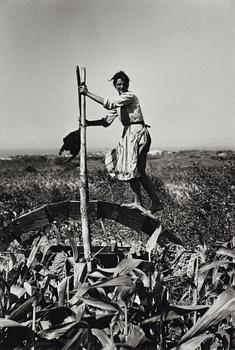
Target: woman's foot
[{"x": 156, "y": 206}]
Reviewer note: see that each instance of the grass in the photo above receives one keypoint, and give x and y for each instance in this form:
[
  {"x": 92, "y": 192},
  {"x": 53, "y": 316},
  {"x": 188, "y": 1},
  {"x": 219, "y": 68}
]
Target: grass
[{"x": 196, "y": 188}]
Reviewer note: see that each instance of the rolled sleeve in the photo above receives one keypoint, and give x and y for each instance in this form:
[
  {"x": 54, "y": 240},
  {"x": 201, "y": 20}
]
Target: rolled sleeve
[{"x": 123, "y": 100}]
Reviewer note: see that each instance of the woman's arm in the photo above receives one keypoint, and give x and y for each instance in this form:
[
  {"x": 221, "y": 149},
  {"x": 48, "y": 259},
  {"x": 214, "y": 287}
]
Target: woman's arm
[
  {"x": 105, "y": 122},
  {"x": 84, "y": 91},
  {"x": 123, "y": 100},
  {"x": 97, "y": 122}
]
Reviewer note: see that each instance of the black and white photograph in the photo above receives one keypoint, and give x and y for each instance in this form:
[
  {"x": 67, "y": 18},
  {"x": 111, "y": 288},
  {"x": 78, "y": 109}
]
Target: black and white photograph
[{"x": 117, "y": 176}]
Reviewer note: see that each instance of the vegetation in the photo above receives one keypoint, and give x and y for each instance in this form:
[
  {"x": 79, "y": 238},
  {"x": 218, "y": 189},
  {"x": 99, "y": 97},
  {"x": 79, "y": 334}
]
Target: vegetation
[{"x": 178, "y": 298}]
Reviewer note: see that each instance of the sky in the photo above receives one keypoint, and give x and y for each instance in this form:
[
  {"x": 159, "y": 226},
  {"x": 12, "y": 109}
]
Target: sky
[{"x": 179, "y": 55}]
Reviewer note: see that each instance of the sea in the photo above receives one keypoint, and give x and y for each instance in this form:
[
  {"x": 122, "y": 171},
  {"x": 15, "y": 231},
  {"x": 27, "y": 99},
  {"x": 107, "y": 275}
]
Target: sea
[
  {"x": 38, "y": 151},
  {"x": 27, "y": 151},
  {"x": 11, "y": 152}
]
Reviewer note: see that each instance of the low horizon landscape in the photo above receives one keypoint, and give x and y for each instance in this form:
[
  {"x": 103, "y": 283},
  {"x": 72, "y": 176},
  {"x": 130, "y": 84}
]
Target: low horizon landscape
[{"x": 11, "y": 152}]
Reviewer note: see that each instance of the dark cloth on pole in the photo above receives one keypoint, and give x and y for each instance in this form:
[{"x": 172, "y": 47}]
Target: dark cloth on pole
[{"x": 72, "y": 143}]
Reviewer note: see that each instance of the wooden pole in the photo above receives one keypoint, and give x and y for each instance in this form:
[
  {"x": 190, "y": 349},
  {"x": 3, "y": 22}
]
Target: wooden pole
[{"x": 84, "y": 198}]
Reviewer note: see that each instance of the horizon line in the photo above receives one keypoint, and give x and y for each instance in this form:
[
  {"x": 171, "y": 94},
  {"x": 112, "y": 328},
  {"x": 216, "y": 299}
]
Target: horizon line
[{"x": 54, "y": 151}]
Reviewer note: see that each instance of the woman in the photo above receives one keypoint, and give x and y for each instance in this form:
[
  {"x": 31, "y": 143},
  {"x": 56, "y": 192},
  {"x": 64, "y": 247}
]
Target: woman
[{"x": 128, "y": 160}]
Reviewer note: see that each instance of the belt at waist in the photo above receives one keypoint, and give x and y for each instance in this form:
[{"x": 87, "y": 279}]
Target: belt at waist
[
  {"x": 127, "y": 126},
  {"x": 141, "y": 123}
]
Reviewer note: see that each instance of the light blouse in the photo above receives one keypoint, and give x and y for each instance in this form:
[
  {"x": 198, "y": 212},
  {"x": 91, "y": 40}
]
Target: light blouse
[{"x": 126, "y": 107}]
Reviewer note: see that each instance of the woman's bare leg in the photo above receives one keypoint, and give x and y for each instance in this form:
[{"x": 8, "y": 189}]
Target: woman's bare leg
[
  {"x": 145, "y": 180},
  {"x": 135, "y": 186},
  {"x": 149, "y": 188}
]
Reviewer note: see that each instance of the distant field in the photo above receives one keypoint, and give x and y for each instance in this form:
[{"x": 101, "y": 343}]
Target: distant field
[{"x": 197, "y": 189}]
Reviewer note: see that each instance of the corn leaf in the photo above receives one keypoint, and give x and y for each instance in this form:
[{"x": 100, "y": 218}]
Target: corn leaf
[
  {"x": 57, "y": 331},
  {"x": 136, "y": 336},
  {"x": 215, "y": 276},
  {"x": 33, "y": 252},
  {"x": 80, "y": 310},
  {"x": 201, "y": 279},
  {"x": 61, "y": 291},
  {"x": 195, "y": 342},
  {"x": 78, "y": 338},
  {"x": 142, "y": 276},
  {"x": 122, "y": 346},
  {"x": 104, "y": 305},
  {"x": 17, "y": 291},
  {"x": 81, "y": 290},
  {"x": 99, "y": 321},
  {"x": 150, "y": 245},
  {"x": 59, "y": 264},
  {"x": 175, "y": 311},
  {"x": 106, "y": 342},
  {"x": 7, "y": 261},
  {"x": 23, "y": 309},
  {"x": 124, "y": 293},
  {"x": 74, "y": 247},
  {"x": 184, "y": 309},
  {"x": 184, "y": 296},
  {"x": 127, "y": 265},
  {"x": 29, "y": 289},
  {"x": 212, "y": 265},
  {"x": 224, "y": 335},
  {"x": 80, "y": 270},
  {"x": 107, "y": 270},
  {"x": 114, "y": 282},
  {"x": 56, "y": 315},
  {"x": 223, "y": 307},
  {"x": 4, "y": 284},
  {"x": 100, "y": 273},
  {"x": 45, "y": 251},
  {"x": 48, "y": 279},
  {"x": 157, "y": 293},
  {"x": 44, "y": 344},
  {"x": 25, "y": 332},
  {"x": 226, "y": 251},
  {"x": 171, "y": 315},
  {"x": 4, "y": 322}
]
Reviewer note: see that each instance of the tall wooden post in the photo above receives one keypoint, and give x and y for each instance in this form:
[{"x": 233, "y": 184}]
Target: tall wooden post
[{"x": 84, "y": 198}]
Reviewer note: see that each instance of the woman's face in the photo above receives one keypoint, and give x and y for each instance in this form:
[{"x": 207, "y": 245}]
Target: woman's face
[{"x": 120, "y": 86}]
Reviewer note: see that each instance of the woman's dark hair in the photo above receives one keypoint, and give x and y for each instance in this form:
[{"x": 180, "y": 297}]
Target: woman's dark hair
[{"x": 121, "y": 75}]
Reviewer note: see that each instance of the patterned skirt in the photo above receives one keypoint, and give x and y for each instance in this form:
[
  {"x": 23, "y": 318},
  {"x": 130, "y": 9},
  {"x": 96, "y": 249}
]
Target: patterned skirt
[{"x": 121, "y": 162}]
